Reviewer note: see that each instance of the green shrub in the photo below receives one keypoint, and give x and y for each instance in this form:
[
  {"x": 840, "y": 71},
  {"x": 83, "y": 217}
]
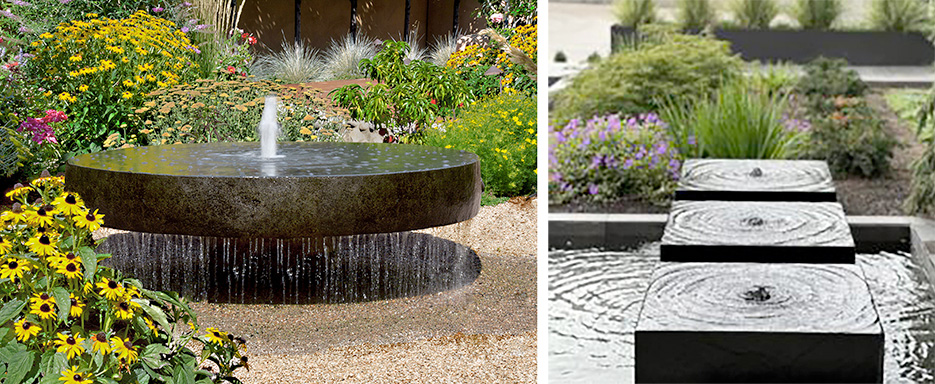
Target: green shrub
[
  {"x": 851, "y": 139},
  {"x": 67, "y": 318},
  {"x": 404, "y": 94},
  {"x": 501, "y": 130},
  {"x": 816, "y": 14},
  {"x": 825, "y": 79},
  {"x": 210, "y": 110},
  {"x": 756, "y": 14},
  {"x": 898, "y": 15},
  {"x": 605, "y": 157},
  {"x": 633, "y": 13},
  {"x": 774, "y": 78},
  {"x": 736, "y": 123},
  {"x": 100, "y": 70},
  {"x": 695, "y": 14},
  {"x": 666, "y": 64}
]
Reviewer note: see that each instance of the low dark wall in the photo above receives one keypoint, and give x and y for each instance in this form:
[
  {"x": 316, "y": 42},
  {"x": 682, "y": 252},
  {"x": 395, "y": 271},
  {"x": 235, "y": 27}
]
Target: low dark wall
[{"x": 877, "y": 48}]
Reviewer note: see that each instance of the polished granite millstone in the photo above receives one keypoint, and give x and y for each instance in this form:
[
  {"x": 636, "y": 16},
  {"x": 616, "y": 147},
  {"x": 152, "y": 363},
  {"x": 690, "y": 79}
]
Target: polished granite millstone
[
  {"x": 311, "y": 189},
  {"x": 755, "y": 180},
  {"x": 745, "y": 231},
  {"x": 751, "y": 322}
]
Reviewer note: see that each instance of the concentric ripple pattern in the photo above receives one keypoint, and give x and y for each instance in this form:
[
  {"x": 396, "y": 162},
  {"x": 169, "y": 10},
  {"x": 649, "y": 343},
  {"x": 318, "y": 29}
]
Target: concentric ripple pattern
[{"x": 756, "y": 175}]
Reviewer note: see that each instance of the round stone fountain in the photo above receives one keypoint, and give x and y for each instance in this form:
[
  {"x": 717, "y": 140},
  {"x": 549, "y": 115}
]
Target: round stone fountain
[{"x": 303, "y": 222}]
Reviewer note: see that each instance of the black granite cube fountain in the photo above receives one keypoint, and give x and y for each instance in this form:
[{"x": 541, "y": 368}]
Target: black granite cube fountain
[
  {"x": 755, "y": 180},
  {"x": 746, "y": 231},
  {"x": 754, "y": 323}
]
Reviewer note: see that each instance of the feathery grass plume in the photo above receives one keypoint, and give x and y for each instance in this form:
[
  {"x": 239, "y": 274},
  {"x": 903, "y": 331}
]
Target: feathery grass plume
[
  {"x": 755, "y": 14},
  {"x": 294, "y": 63},
  {"x": 442, "y": 49},
  {"x": 695, "y": 14},
  {"x": 632, "y": 13},
  {"x": 415, "y": 51},
  {"x": 898, "y": 15},
  {"x": 343, "y": 55},
  {"x": 817, "y": 14}
]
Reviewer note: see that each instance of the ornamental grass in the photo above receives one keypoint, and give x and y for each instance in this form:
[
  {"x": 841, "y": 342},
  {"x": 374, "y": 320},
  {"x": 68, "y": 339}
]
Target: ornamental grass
[{"x": 67, "y": 318}]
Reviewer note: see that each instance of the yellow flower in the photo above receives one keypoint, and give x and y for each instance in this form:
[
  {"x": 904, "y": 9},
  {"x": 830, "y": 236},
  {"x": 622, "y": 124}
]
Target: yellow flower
[
  {"x": 42, "y": 244},
  {"x": 215, "y": 336},
  {"x": 110, "y": 289},
  {"x": 5, "y": 245},
  {"x": 72, "y": 376},
  {"x": 92, "y": 220},
  {"x": 67, "y": 97},
  {"x": 69, "y": 204},
  {"x": 125, "y": 309},
  {"x": 124, "y": 349},
  {"x": 70, "y": 345},
  {"x": 70, "y": 270},
  {"x": 19, "y": 190},
  {"x": 77, "y": 307},
  {"x": 99, "y": 343},
  {"x": 127, "y": 95},
  {"x": 76, "y": 57},
  {"x": 44, "y": 310},
  {"x": 14, "y": 268},
  {"x": 128, "y": 83},
  {"x": 24, "y": 329},
  {"x": 149, "y": 324},
  {"x": 305, "y": 131}
]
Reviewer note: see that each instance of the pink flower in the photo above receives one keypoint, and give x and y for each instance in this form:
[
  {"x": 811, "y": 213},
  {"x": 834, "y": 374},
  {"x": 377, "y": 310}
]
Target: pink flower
[
  {"x": 496, "y": 18},
  {"x": 53, "y": 116},
  {"x": 41, "y": 132},
  {"x": 231, "y": 69},
  {"x": 10, "y": 66},
  {"x": 158, "y": 9}
]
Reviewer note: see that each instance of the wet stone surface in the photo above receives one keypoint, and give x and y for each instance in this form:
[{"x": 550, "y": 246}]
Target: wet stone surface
[
  {"x": 783, "y": 232},
  {"x": 755, "y": 180},
  {"x": 310, "y": 189}
]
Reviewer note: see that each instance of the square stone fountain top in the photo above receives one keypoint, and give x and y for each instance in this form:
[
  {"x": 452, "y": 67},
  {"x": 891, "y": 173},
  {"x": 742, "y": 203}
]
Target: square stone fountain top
[
  {"x": 755, "y": 180},
  {"x": 748, "y": 231}
]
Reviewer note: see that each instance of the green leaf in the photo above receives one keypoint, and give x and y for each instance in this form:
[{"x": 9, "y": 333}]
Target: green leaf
[
  {"x": 89, "y": 261},
  {"x": 52, "y": 364},
  {"x": 157, "y": 314},
  {"x": 63, "y": 300},
  {"x": 184, "y": 374},
  {"x": 20, "y": 364},
  {"x": 152, "y": 356},
  {"x": 11, "y": 309}
]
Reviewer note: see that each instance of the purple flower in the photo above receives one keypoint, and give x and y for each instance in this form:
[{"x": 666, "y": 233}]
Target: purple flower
[
  {"x": 158, "y": 9},
  {"x": 186, "y": 4},
  {"x": 627, "y": 164},
  {"x": 184, "y": 29},
  {"x": 662, "y": 147},
  {"x": 21, "y": 3},
  {"x": 592, "y": 189}
]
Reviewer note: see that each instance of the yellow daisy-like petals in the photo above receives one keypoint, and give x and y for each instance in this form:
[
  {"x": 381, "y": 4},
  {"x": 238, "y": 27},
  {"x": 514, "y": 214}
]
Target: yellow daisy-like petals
[
  {"x": 19, "y": 190},
  {"x": 215, "y": 336},
  {"x": 125, "y": 309},
  {"x": 69, "y": 204},
  {"x": 77, "y": 307},
  {"x": 70, "y": 345},
  {"x": 71, "y": 270},
  {"x": 151, "y": 326},
  {"x": 99, "y": 343},
  {"x": 24, "y": 329},
  {"x": 40, "y": 298},
  {"x": 73, "y": 376},
  {"x": 42, "y": 244},
  {"x": 124, "y": 349},
  {"x": 44, "y": 311},
  {"x": 14, "y": 268},
  {"x": 110, "y": 289},
  {"x": 43, "y": 216},
  {"x": 91, "y": 221}
]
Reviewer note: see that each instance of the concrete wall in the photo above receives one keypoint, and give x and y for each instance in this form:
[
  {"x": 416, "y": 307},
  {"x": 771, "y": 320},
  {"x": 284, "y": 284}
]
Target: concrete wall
[{"x": 323, "y": 20}]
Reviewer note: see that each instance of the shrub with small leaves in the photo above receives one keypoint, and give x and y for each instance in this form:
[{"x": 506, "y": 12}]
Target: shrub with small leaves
[
  {"x": 851, "y": 139},
  {"x": 67, "y": 318}
]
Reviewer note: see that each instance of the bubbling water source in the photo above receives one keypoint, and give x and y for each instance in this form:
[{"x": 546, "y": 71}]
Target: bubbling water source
[{"x": 269, "y": 132}]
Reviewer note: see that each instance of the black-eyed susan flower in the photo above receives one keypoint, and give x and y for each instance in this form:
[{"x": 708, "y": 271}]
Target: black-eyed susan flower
[
  {"x": 124, "y": 349},
  {"x": 125, "y": 309},
  {"x": 71, "y": 270},
  {"x": 151, "y": 326},
  {"x": 99, "y": 343},
  {"x": 5, "y": 246},
  {"x": 43, "y": 310},
  {"x": 70, "y": 345},
  {"x": 110, "y": 289},
  {"x": 92, "y": 220},
  {"x": 14, "y": 268},
  {"x": 73, "y": 376},
  {"x": 42, "y": 244},
  {"x": 77, "y": 307},
  {"x": 43, "y": 216},
  {"x": 19, "y": 191},
  {"x": 24, "y": 329},
  {"x": 41, "y": 297},
  {"x": 14, "y": 216},
  {"x": 47, "y": 180},
  {"x": 215, "y": 336},
  {"x": 69, "y": 204}
]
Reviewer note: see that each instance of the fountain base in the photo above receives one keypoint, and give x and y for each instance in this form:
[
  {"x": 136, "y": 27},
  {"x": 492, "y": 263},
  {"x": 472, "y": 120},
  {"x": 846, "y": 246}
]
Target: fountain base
[
  {"x": 336, "y": 269},
  {"x": 749, "y": 322}
]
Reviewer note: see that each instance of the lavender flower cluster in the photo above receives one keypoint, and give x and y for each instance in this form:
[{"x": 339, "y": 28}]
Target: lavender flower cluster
[{"x": 604, "y": 157}]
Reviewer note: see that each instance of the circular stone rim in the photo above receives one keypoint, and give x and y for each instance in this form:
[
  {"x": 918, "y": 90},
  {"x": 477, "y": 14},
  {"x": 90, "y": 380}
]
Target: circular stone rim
[{"x": 280, "y": 207}]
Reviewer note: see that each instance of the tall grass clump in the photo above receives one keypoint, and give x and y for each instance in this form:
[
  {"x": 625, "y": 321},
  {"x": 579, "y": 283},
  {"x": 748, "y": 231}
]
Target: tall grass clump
[
  {"x": 735, "y": 123},
  {"x": 632, "y": 13},
  {"x": 816, "y": 14},
  {"x": 695, "y": 14},
  {"x": 898, "y": 15},
  {"x": 442, "y": 49},
  {"x": 755, "y": 14},
  {"x": 343, "y": 56},
  {"x": 294, "y": 63}
]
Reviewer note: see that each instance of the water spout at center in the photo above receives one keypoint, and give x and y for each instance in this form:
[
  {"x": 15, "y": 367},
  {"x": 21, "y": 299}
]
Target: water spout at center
[{"x": 268, "y": 129}]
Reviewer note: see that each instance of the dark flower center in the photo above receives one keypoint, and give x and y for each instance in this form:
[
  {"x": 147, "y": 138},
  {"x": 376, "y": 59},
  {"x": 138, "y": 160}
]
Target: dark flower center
[
  {"x": 74, "y": 302},
  {"x": 41, "y": 211},
  {"x": 71, "y": 267},
  {"x": 70, "y": 256},
  {"x": 48, "y": 208},
  {"x": 45, "y": 308},
  {"x": 70, "y": 340},
  {"x": 124, "y": 306},
  {"x": 101, "y": 337},
  {"x": 90, "y": 217},
  {"x": 112, "y": 284},
  {"x": 26, "y": 325},
  {"x": 216, "y": 334},
  {"x": 77, "y": 377},
  {"x": 44, "y": 240},
  {"x": 12, "y": 265},
  {"x": 127, "y": 344},
  {"x": 70, "y": 199},
  {"x": 44, "y": 296},
  {"x": 42, "y": 229}
]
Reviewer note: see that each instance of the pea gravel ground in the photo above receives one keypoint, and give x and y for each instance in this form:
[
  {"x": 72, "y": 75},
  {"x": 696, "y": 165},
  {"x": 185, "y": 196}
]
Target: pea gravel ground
[{"x": 482, "y": 333}]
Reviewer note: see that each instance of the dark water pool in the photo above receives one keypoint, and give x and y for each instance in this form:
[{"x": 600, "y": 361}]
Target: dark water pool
[{"x": 595, "y": 297}]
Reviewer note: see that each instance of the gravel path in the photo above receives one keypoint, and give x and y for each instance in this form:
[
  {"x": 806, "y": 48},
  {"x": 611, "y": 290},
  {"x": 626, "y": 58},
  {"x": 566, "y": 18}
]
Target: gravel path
[{"x": 481, "y": 333}]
